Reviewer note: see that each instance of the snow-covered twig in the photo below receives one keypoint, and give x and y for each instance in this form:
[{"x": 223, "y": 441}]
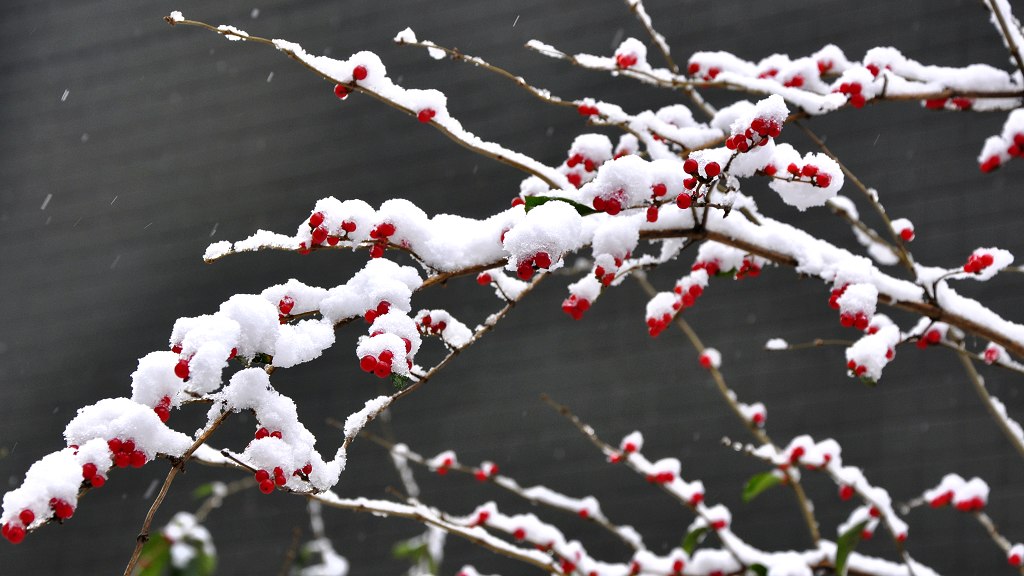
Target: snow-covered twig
[
  {"x": 588, "y": 508},
  {"x": 382, "y": 89}
]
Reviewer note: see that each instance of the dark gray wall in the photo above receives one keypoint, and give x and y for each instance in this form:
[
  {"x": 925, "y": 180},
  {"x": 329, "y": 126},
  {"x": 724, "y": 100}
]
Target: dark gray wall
[{"x": 169, "y": 139}]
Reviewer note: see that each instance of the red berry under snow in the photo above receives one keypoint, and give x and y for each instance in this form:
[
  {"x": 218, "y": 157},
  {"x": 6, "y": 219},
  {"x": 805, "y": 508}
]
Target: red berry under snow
[
  {"x": 181, "y": 369},
  {"x": 341, "y": 91},
  {"x": 426, "y": 115},
  {"x": 359, "y": 72}
]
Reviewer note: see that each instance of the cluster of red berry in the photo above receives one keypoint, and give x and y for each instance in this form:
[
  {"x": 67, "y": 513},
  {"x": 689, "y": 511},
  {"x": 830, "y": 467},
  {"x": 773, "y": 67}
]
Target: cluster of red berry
[
  {"x": 978, "y": 262},
  {"x": 854, "y": 93},
  {"x": 526, "y": 267},
  {"x": 321, "y": 234},
  {"x": 611, "y": 203},
  {"x": 811, "y": 173},
  {"x": 749, "y": 269},
  {"x": 757, "y": 134},
  {"x": 694, "y": 68},
  {"x": 381, "y": 233},
  {"x": 575, "y": 306}
]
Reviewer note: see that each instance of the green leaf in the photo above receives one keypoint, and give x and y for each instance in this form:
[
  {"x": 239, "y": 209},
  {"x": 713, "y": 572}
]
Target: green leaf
[
  {"x": 155, "y": 556},
  {"x": 694, "y": 538},
  {"x": 758, "y": 569},
  {"x": 202, "y": 565},
  {"x": 847, "y": 542},
  {"x": 411, "y": 550},
  {"x": 534, "y": 201},
  {"x": 203, "y": 491},
  {"x": 759, "y": 483},
  {"x": 399, "y": 381}
]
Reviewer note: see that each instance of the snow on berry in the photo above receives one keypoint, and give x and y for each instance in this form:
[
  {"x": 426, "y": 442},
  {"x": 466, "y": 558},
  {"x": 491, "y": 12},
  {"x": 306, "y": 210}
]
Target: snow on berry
[
  {"x": 994, "y": 353},
  {"x": 290, "y": 450},
  {"x": 452, "y": 331},
  {"x": 380, "y": 280},
  {"x": 620, "y": 184},
  {"x": 393, "y": 341},
  {"x": 755, "y": 413},
  {"x": 660, "y": 311},
  {"x": 964, "y": 495},
  {"x": 615, "y": 237},
  {"x": 1015, "y": 555},
  {"x": 632, "y": 442},
  {"x": 776, "y": 344},
  {"x": 857, "y": 305},
  {"x": 442, "y": 462},
  {"x": 984, "y": 263},
  {"x": 871, "y": 353},
  {"x": 811, "y": 180},
  {"x": 552, "y": 229},
  {"x": 904, "y": 229},
  {"x": 708, "y": 65},
  {"x": 123, "y": 418},
  {"x": 154, "y": 380},
  {"x": 54, "y": 478},
  {"x": 711, "y": 358},
  {"x": 632, "y": 53}
]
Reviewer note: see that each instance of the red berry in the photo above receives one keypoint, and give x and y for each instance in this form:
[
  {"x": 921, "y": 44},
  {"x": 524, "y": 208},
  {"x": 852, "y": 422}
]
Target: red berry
[
  {"x": 348, "y": 226},
  {"x": 319, "y": 235},
  {"x": 359, "y": 72},
  {"x": 163, "y": 413},
  {"x": 122, "y": 460},
  {"x": 823, "y": 180},
  {"x": 990, "y": 164},
  {"x": 61, "y": 509},
  {"x": 426, "y": 115},
  {"x": 137, "y": 459},
  {"x": 683, "y": 201},
  {"x": 875, "y": 512},
  {"x": 176, "y": 348},
  {"x": 690, "y": 166},
  {"x": 286, "y": 304},
  {"x": 341, "y": 91},
  {"x": 525, "y": 270},
  {"x": 652, "y": 213},
  {"x": 574, "y": 178},
  {"x": 705, "y": 361},
  {"x": 719, "y": 524},
  {"x": 88, "y": 470},
  {"x": 480, "y": 475},
  {"x": 483, "y": 279},
  {"x": 907, "y": 234},
  {"x": 796, "y": 454},
  {"x": 15, "y": 534},
  {"x": 625, "y": 60},
  {"x": 693, "y": 68},
  {"x": 659, "y": 190},
  {"x": 542, "y": 260},
  {"x": 128, "y": 446},
  {"x": 712, "y": 169},
  {"x": 262, "y": 433},
  {"x": 368, "y": 363},
  {"x": 114, "y": 444},
  {"x": 873, "y": 68},
  {"x": 280, "y": 480},
  {"x": 181, "y": 369},
  {"x": 276, "y": 434},
  {"x": 1015, "y": 559},
  {"x": 846, "y": 492},
  {"x": 307, "y": 469},
  {"x": 519, "y": 534},
  {"x": 377, "y": 250},
  {"x": 316, "y": 219},
  {"x": 267, "y": 486},
  {"x": 261, "y": 475},
  {"x": 97, "y": 481},
  {"x": 26, "y": 516},
  {"x": 769, "y": 170},
  {"x": 383, "y": 370}
]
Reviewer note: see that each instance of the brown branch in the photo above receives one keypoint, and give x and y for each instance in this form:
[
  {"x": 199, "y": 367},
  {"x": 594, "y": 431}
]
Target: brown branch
[
  {"x": 987, "y": 400},
  {"x": 1004, "y": 31},
  {"x": 806, "y": 509},
  {"x": 177, "y": 467}
]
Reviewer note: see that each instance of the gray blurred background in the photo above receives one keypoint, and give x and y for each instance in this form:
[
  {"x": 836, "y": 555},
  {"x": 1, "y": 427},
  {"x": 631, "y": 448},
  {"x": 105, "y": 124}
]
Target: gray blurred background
[{"x": 129, "y": 146}]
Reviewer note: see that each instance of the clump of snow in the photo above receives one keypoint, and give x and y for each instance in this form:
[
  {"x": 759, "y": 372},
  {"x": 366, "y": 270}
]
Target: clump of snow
[
  {"x": 554, "y": 228},
  {"x": 776, "y": 344}
]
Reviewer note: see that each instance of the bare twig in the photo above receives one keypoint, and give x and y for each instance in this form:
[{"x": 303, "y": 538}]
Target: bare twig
[{"x": 989, "y": 402}]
